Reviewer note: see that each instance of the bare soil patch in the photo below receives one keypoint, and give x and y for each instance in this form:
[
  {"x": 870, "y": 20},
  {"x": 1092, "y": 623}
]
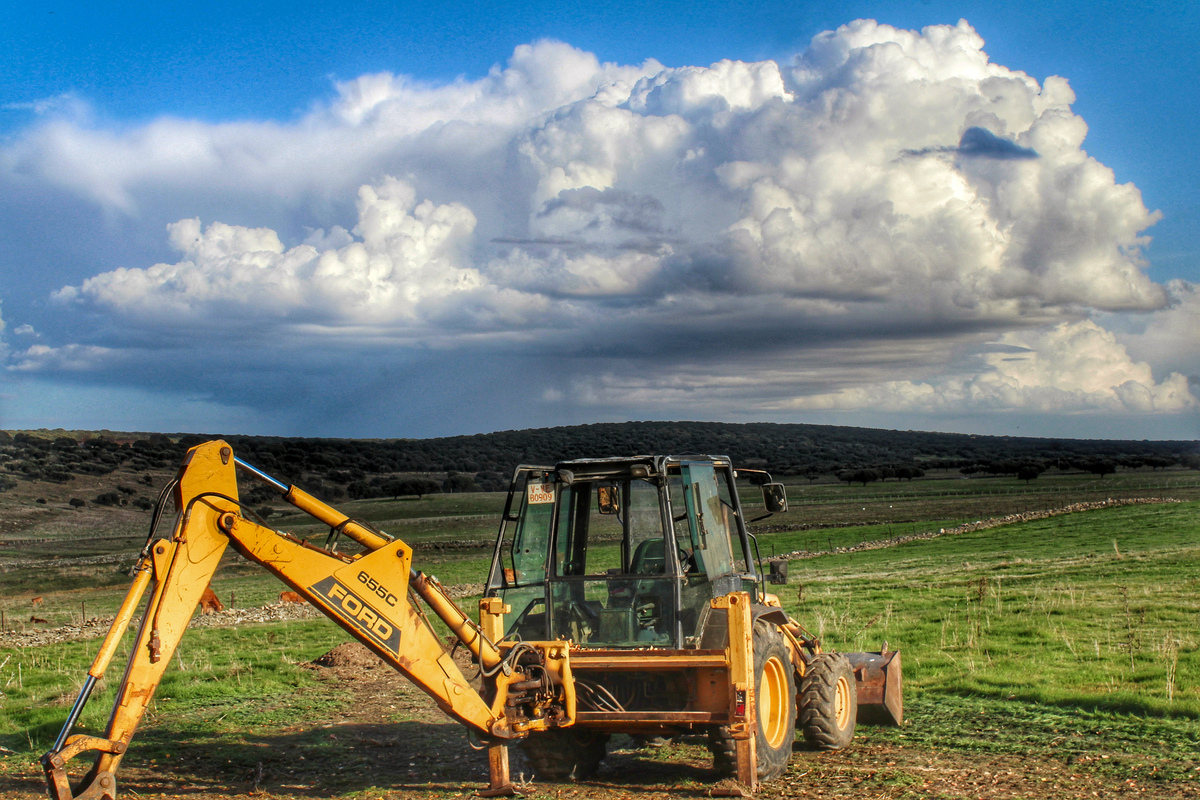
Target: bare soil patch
[{"x": 392, "y": 743}]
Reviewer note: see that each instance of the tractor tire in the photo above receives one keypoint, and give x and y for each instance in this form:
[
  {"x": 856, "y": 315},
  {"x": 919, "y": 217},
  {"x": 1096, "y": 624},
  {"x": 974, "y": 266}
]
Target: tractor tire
[
  {"x": 566, "y": 755},
  {"x": 775, "y": 695},
  {"x": 828, "y": 702}
]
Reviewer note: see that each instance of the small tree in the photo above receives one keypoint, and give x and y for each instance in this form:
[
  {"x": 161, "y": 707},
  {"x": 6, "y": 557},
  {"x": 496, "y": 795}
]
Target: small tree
[
  {"x": 1028, "y": 472},
  {"x": 863, "y": 476},
  {"x": 1100, "y": 467},
  {"x": 360, "y": 490},
  {"x": 423, "y": 486},
  {"x": 457, "y": 482},
  {"x": 866, "y": 476}
]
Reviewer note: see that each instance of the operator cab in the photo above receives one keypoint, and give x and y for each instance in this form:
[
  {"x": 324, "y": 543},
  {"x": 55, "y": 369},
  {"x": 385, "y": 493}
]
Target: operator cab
[{"x": 620, "y": 552}]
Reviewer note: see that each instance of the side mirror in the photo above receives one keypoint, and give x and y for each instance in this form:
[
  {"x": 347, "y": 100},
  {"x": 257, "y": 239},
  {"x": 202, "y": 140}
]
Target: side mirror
[
  {"x": 778, "y": 571},
  {"x": 609, "y": 499},
  {"x": 774, "y": 498}
]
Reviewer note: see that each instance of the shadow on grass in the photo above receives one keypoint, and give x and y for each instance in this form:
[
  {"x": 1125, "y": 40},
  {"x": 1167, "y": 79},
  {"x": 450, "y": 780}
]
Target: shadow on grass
[
  {"x": 1117, "y": 703},
  {"x": 345, "y": 759}
]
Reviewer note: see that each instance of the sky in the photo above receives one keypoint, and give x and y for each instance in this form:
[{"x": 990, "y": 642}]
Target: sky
[{"x": 408, "y": 219}]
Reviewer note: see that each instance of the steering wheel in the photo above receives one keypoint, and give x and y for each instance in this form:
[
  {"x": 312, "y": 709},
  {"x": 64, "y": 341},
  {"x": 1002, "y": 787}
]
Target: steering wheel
[{"x": 686, "y": 563}]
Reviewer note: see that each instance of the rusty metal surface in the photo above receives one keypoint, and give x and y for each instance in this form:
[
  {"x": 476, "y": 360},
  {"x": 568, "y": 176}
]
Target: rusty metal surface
[
  {"x": 880, "y": 687},
  {"x": 584, "y": 659},
  {"x": 698, "y": 717}
]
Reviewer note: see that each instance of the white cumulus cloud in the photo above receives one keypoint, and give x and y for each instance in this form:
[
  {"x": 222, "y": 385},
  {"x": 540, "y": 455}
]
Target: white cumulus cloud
[
  {"x": 1070, "y": 367},
  {"x": 68, "y": 358},
  {"x": 406, "y": 252},
  {"x": 890, "y": 199},
  {"x": 1168, "y": 337}
]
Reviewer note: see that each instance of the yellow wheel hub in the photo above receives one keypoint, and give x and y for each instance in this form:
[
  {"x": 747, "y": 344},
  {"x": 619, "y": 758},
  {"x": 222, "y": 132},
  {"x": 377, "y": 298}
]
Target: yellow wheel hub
[
  {"x": 772, "y": 702},
  {"x": 841, "y": 704}
]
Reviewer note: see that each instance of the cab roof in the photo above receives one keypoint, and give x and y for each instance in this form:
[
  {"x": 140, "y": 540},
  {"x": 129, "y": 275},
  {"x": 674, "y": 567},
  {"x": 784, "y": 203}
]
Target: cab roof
[{"x": 582, "y": 468}]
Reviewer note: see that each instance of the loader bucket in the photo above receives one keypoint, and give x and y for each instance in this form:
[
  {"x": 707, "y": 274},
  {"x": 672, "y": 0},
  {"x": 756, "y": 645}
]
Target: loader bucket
[{"x": 879, "y": 680}]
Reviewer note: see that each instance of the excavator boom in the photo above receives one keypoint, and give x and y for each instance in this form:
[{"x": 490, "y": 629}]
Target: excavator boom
[{"x": 367, "y": 594}]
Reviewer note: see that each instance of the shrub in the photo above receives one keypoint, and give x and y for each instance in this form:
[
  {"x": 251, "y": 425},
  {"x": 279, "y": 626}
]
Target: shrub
[
  {"x": 1028, "y": 472},
  {"x": 457, "y": 482},
  {"x": 1100, "y": 467},
  {"x": 490, "y": 481},
  {"x": 77, "y": 503},
  {"x": 863, "y": 476}
]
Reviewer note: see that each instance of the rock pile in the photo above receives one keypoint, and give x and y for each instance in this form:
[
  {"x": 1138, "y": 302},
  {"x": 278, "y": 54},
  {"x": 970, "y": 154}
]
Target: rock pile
[
  {"x": 275, "y": 612},
  {"x": 978, "y": 525},
  {"x": 80, "y": 561},
  {"x": 36, "y": 637}
]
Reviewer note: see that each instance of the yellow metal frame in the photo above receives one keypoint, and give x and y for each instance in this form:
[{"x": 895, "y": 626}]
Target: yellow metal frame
[
  {"x": 365, "y": 594},
  {"x": 370, "y": 595}
]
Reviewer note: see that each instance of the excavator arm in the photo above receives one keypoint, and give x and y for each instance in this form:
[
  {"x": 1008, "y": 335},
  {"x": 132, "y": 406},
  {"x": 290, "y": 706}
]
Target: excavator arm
[{"x": 369, "y": 594}]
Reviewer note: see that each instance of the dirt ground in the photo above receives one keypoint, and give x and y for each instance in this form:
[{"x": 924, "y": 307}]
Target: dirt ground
[{"x": 392, "y": 743}]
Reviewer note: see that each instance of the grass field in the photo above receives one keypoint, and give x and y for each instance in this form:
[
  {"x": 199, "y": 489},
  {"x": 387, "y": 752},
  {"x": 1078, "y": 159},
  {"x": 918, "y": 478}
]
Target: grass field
[{"x": 1074, "y": 638}]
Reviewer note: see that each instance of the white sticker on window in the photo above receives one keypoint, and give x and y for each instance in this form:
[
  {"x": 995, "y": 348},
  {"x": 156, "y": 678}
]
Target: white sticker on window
[{"x": 537, "y": 493}]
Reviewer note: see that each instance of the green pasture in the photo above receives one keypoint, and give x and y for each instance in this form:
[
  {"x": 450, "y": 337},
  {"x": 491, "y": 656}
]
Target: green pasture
[
  {"x": 1097, "y": 610},
  {"x": 233, "y": 678},
  {"x": 1076, "y": 635}
]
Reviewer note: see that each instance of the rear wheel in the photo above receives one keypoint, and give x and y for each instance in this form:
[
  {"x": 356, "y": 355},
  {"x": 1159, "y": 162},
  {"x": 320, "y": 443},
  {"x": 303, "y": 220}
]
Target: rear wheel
[
  {"x": 828, "y": 702},
  {"x": 775, "y": 693},
  {"x": 567, "y": 755}
]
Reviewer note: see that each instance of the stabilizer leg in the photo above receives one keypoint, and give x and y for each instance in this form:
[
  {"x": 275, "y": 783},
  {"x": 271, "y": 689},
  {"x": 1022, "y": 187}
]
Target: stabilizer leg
[{"x": 500, "y": 784}]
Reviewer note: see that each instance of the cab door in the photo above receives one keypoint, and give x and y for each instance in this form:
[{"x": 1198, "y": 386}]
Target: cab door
[
  {"x": 522, "y": 556},
  {"x": 708, "y": 528}
]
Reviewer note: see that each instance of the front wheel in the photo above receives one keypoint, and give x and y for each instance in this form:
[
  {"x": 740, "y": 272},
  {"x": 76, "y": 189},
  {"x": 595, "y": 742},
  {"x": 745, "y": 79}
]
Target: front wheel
[{"x": 828, "y": 702}]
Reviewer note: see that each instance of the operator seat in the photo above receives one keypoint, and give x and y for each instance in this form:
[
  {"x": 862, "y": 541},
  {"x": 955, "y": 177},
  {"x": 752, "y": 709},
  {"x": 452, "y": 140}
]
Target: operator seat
[{"x": 649, "y": 558}]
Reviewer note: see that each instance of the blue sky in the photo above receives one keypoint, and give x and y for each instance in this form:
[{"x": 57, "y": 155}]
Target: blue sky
[{"x": 115, "y": 123}]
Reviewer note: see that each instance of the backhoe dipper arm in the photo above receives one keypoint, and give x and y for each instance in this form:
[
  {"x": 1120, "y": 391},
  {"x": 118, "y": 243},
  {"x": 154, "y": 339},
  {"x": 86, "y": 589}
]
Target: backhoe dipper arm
[{"x": 366, "y": 594}]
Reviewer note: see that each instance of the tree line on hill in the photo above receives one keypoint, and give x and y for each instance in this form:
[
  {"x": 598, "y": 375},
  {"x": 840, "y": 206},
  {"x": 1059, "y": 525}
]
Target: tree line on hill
[{"x": 364, "y": 468}]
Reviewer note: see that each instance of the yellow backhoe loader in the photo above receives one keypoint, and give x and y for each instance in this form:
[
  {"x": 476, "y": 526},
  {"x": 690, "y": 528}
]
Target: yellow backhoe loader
[{"x": 624, "y": 597}]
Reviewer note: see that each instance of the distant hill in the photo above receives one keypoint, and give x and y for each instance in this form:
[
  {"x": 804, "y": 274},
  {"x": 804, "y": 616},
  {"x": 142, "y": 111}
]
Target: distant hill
[{"x": 485, "y": 460}]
